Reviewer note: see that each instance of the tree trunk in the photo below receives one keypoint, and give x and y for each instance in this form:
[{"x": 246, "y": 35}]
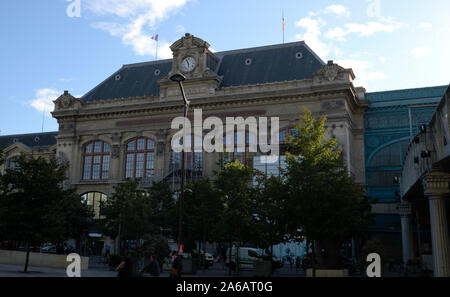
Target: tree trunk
[
  {"x": 237, "y": 260},
  {"x": 229, "y": 259},
  {"x": 204, "y": 253},
  {"x": 313, "y": 259},
  {"x": 27, "y": 258}
]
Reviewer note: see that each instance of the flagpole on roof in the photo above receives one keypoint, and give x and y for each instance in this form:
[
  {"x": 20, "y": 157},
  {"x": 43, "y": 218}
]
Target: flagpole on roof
[
  {"x": 156, "y": 38},
  {"x": 282, "y": 12}
]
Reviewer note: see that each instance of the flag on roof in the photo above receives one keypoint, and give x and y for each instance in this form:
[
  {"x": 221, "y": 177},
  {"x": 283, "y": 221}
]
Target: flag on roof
[{"x": 155, "y": 37}]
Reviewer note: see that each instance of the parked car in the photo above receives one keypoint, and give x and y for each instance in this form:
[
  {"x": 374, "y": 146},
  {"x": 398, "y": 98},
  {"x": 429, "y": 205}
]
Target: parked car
[
  {"x": 50, "y": 249},
  {"x": 209, "y": 259},
  {"x": 277, "y": 263},
  {"x": 245, "y": 259}
]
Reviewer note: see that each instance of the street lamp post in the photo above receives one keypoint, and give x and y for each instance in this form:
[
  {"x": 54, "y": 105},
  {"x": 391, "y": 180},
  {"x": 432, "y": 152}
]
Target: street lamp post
[{"x": 178, "y": 77}]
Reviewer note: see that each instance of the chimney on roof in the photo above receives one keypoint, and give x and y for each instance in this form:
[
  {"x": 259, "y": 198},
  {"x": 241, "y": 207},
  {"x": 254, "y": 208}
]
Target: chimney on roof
[
  {"x": 330, "y": 62},
  {"x": 66, "y": 92}
]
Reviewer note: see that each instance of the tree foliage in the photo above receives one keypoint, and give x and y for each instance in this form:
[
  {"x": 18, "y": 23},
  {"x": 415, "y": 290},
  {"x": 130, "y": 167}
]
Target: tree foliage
[
  {"x": 234, "y": 186},
  {"x": 269, "y": 209},
  {"x": 326, "y": 205},
  {"x": 129, "y": 209},
  {"x": 35, "y": 208},
  {"x": 202, "y": 210}
]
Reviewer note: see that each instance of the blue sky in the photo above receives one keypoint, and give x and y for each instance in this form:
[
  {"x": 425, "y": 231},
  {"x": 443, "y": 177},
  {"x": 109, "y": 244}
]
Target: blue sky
[{"x": 46, "y": 50}]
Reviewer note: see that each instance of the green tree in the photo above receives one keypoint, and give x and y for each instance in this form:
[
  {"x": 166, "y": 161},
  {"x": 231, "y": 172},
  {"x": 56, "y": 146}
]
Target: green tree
[
  {"x": 164, "y": 208},
  {"x": 202, "y": 209},
  {"x": 269, "y": 209},
  {"x": 326, "y": 205},
  {"x": 128, "y": 213},
  {"x": 36, "y": 209},
  {"x": 155, "y": 245},
  {"x": 234, "y": 184}
]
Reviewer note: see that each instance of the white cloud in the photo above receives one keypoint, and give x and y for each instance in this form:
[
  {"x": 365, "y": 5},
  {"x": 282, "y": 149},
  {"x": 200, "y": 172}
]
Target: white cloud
[
  {"x": 383, "y": 60},
  {"x": 372, "y": 27},
  {"x": 421, "y": 52},
  {"x": 361, "y": 70},
  {"x": 338, "y": 9},
  {"x": 312, "y": 35},
  {"x": 336, "y": 33},
  {"x": 425, "y": 25},
  {"x": 364, "y": 30},
  {"x": 139, "y": 16},
  {"x": 44, "y": 98}
]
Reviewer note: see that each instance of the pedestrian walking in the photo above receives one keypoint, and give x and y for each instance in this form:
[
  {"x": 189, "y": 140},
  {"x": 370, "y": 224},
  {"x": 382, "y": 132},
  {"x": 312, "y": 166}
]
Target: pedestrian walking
[
  {"x": 125, "y": 268},
  {"x": 153, "y": 267},
  {"x": 297, "y": 264},
  {"x": 176, "y": 265}
]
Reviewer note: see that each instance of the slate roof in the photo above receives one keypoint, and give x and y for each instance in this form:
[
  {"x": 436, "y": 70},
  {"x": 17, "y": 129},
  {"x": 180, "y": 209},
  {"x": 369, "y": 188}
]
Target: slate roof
[
  {"x": 408, "y": 96},
  {"x": 273, "y": 63},
  {"x": 34, "y": 141}
]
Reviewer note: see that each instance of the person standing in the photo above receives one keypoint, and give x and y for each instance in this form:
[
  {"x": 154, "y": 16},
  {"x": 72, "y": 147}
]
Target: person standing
[
  {"x": 153, "y": 267},
  {"x": 125, "y": 268},
  {"x": 176, "y": 265}
]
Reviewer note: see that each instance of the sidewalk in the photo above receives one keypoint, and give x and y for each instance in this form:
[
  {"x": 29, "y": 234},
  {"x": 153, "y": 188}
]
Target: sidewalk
[{"x": 16, "y": 271}]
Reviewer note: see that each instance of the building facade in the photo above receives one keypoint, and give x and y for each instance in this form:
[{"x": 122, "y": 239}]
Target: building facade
[
  {"x": 424, "y": 190},
  {"x": 122, "y": 128},
  {"x": 390, "y": 122}
]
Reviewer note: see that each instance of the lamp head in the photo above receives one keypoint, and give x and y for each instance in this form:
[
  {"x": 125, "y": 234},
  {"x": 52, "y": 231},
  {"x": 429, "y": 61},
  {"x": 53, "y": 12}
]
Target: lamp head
[{"x": 177, "y": 77}]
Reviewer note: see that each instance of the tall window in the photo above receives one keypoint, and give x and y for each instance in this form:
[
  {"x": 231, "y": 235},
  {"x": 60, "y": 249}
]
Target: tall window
[
  {"x": 140, "y": 158},
  {"x": 96, "y": 160},
  {"x": 194, "y": 160},
  {"x": 93, "y": 201},
  {"x": 241, "y": 143},
  {"x": 12, "y": 163},
  {"x": 287, "y": 131}
]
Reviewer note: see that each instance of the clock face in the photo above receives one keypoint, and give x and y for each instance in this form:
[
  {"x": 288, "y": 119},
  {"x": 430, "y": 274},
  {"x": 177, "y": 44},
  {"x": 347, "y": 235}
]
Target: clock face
[{"x": 188, "y": 64}]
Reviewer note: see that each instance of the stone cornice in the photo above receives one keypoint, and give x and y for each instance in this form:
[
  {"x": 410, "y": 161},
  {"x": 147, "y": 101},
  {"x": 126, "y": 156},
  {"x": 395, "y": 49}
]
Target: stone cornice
[
  {"x": 436, "y": 184},
  {"x": 141, "y": 105}
]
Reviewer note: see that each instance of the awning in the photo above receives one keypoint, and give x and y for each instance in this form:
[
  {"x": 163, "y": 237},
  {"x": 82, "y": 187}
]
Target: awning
[{"x": 95, "y": 235}]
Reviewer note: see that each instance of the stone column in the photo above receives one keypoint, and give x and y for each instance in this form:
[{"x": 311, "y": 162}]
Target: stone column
[
  {"x": 437, "y": 188},
  {"x": 404, "y": 210},
  {"x": 115, "y": 173}
]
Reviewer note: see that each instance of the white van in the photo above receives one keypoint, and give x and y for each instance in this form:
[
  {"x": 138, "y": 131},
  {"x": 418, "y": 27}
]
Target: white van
[{"x": 245, "y": 260}]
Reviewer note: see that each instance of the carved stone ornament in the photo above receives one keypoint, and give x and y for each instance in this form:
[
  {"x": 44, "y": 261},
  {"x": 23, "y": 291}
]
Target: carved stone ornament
[
  {"x": 189, "y": 41},
  {"x": 62, "y": 159},
  {"x": 331, "y": 72},
  {"x": 115, "y": 152},
  {"x": 65, "y": 101}
]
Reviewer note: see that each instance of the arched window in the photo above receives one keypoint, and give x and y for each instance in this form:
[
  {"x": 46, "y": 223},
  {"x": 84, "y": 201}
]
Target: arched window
[
  {"x": 93, "y": 201},
  {"x": 96, "y": 160},
  {"x": 390, "y": 156},
  {"x": 292, "y": 131},
  {"x": 386, "y": 164},
  {"x": 140, "y": 158}
]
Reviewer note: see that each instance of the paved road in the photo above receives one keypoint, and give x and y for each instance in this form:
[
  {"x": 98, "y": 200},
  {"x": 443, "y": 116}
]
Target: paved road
[
  {"x": 99, "y": 270},
  {"x": 218, "y": 270}
]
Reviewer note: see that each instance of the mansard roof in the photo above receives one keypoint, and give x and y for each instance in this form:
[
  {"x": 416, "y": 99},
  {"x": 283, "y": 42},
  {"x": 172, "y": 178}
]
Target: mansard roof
[
  {"x": 275, "y": 63},
  {"x": 34, "y": 141}
]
